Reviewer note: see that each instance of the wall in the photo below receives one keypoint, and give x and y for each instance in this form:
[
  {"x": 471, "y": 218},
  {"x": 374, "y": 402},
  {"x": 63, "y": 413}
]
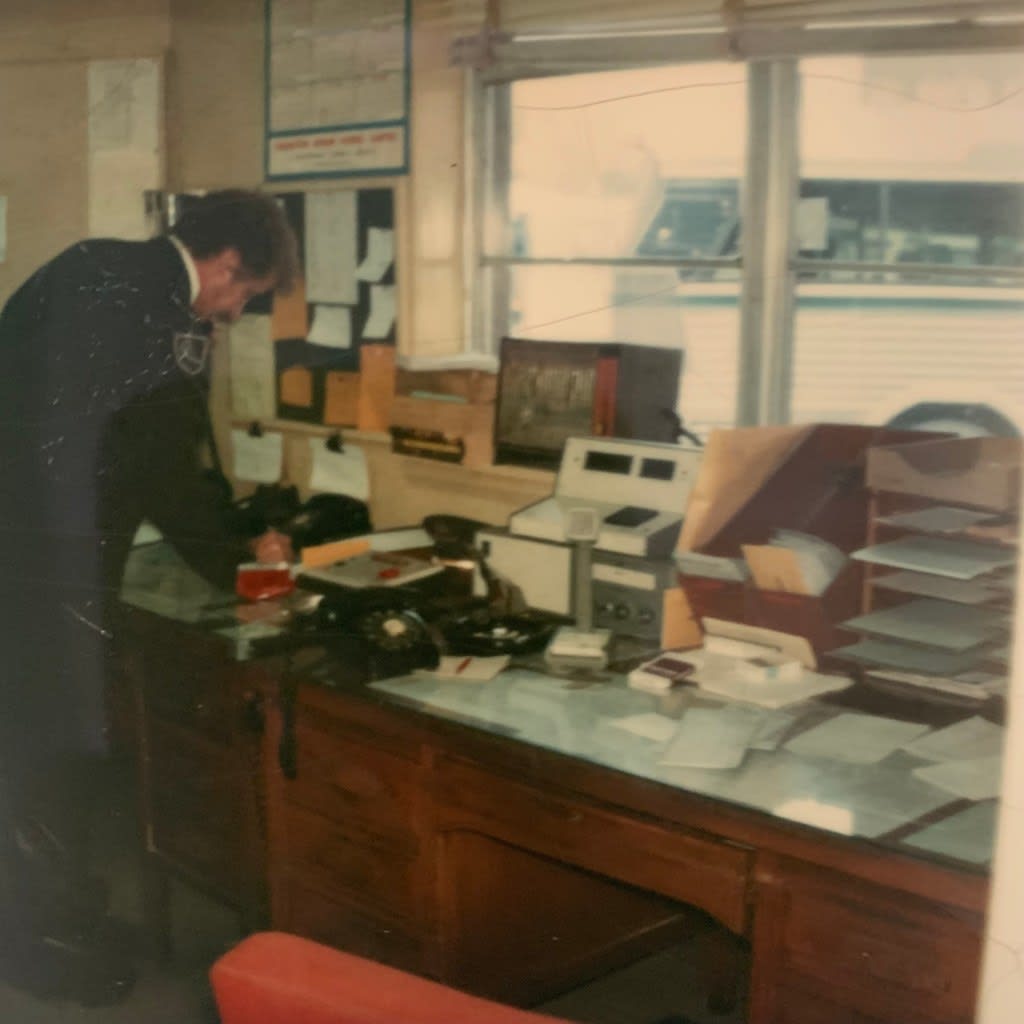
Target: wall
[
  {"x": 215, "y": 116},
  {"x": 44, "y": 53}
]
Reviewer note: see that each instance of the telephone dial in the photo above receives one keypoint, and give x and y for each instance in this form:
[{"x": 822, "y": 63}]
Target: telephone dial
[{"x": 378, "y": 632}]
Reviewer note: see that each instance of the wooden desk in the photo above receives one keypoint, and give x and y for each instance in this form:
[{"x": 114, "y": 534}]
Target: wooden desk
[
  {"x": 456, "y": 849},
  {"x": 515, "y": 871}
]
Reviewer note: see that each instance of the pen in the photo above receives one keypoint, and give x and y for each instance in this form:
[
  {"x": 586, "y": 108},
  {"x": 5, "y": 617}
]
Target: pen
[{"x": 464, "y": 664}]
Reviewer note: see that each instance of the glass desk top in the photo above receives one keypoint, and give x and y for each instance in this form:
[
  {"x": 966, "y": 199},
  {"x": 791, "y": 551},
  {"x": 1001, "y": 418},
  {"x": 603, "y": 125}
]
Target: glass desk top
[
  {"x": 609, "y": 724},
  {"x": 628, "y": 730}
]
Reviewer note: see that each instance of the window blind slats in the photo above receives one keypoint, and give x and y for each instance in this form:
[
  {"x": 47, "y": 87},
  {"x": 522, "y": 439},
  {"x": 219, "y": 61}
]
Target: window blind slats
[
  {"x": 609, "y": 17},
  {"x": 538, "y": 37}
]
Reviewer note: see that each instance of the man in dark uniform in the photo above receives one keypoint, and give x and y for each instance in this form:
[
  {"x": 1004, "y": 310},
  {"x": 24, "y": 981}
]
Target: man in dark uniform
[{"x": 103, "y": 424}]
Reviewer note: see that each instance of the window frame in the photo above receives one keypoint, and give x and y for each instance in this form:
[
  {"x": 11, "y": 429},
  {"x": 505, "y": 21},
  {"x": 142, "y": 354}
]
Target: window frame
[{"x": 769, "y": 263}]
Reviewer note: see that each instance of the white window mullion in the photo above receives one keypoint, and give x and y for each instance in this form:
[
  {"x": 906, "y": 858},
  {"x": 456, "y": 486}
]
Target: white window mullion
[{"x": 769, "y": 205}]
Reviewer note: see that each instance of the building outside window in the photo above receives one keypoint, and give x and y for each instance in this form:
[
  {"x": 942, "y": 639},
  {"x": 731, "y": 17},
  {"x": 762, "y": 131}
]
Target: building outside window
[{"x": 893, "y": 187}]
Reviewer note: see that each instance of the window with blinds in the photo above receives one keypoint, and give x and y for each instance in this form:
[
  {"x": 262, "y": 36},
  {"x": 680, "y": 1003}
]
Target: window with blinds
[{"x": 836, "y": 236}]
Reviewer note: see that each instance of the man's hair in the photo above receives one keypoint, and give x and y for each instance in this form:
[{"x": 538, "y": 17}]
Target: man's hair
[{"x": 251, "y": 222}]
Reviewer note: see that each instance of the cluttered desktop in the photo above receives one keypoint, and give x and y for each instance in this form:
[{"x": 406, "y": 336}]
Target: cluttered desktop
[{"x": 772, "y": 679}]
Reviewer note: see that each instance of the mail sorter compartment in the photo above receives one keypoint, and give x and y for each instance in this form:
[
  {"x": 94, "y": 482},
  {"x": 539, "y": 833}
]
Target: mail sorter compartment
[
  {"x": 879, "y": 952},
  {"x": 814, "y": 617},
  {"x": 353, "y": 783},
  {"x": 371, "y": 871},
  {"x": 979, "y": 471},
  {"x": 676, "y": 862}
]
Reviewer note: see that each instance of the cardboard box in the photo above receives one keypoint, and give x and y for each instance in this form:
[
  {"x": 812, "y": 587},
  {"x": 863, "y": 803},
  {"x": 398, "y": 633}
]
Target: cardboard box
[{"x": 983, "y": 472}]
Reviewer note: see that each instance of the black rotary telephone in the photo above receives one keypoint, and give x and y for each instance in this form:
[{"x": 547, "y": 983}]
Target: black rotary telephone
[{"x": 385, "y": 623}]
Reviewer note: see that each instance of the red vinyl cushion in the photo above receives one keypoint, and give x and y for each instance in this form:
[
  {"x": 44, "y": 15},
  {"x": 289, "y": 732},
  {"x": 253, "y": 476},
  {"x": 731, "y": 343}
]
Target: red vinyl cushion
[{"x": 276, "y": 978}]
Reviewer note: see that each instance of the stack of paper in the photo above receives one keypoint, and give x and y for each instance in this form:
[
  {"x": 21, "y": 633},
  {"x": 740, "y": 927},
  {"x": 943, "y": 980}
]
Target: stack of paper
[
  {"x": 976, "y": 685},
  {"x": 794, "y": 562},
  {"x": 908, "y": 657},
  {"x": 990, "y": 587}
]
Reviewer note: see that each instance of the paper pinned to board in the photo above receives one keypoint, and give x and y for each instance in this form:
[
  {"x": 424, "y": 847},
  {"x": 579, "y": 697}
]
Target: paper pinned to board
[
  {"x": 258, "y": 459},
  {"x": 251, "y": 353},
  {"x": 331, "y": 247},
  {"x": 343, "y": 472},
  {"x": 380, "y": 254},
  {"x": 332, "y": 326},
  {"x": 382, "y": 311}
]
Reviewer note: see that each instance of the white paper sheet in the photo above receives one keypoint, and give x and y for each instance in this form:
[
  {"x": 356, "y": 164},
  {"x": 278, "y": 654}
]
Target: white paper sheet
[
  {"x": 963, "y": 741},
  {"x": 958, "y": 559},
  {"x": 952, "y": 627},
  {"x": 258, "y": 459},
  {"x": 976, "y": 779},
  {"x": 251, "y": 350},
  {"x": 331, "y": 247},
  {"x": 976, "y": 591},
  {"x": 855, "y": 738},
  {"x": 938, "y": 519},
  {"x": 332, "y": 326},
  {"x": 380, "y": 252},
  {"x": 650, "y": 726},
  {"x": 914, "y": 657},
  {"x": 712, "y": 738},
  {"x": 382, "y": 311},
  {"x": 341, "y": 472}
]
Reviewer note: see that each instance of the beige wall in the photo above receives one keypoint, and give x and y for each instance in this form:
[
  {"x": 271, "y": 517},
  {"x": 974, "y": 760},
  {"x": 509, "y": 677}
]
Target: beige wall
[
  {"x": 215, "y": 98},
  {"x": 43, "y": 30},
  {"x": 45, "y": 48}
]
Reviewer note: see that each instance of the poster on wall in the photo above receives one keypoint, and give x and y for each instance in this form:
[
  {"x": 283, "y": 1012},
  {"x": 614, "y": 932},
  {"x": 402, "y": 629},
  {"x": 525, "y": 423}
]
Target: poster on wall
[{"x": 337, "y": 88}]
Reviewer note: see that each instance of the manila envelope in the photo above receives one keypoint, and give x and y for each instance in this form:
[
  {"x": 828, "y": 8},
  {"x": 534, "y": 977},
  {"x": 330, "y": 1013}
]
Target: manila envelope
[{"x": 775, "y": 568}]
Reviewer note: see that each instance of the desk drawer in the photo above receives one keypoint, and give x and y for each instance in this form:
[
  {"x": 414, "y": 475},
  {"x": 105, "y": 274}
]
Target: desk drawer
[
  {"x": 873, "y": 951},
  {"x": 697, "y": 869},
  {"x": 352, "y": 783},
  {"x": 192, "y": 690},
  {"x": 339, "y": 923},
  {"x": 352, "y": 865}
]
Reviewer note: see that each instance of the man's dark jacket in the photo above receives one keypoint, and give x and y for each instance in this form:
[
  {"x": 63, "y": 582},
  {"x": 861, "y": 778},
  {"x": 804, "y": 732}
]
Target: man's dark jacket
[{"x": 103, "y": 422}]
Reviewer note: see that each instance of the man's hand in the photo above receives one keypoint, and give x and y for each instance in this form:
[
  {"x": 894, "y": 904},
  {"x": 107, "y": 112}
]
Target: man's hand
[{"x": 272, "y": 546}]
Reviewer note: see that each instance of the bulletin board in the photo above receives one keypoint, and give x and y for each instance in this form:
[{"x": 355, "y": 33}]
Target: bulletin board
[{"x": 293, "y": 356}]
